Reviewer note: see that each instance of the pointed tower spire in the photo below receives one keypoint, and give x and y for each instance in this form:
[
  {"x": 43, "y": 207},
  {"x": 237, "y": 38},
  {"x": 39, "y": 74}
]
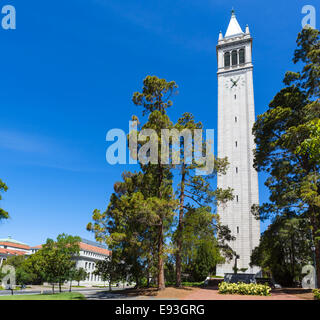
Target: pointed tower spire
[
  {"x": 234, "y": 27},
  {"x": 220, "y": 36},
  {"x": 247, "y": 29}
]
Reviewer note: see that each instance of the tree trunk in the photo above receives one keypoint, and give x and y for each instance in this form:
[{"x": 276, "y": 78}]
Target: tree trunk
[
  {"x": 53, "y": 288},
  {"x": 180, "y": 228},
  {"x": 317, "y": 253},
  {"x": 60, "y": 287},
  {"x": 315, "y": 222},
  {"x": 161, "y": 282},
  {"x": 70, "y": 286},
  {"x": 110, "y": 289},
  {"x": 148, "y": 277}
]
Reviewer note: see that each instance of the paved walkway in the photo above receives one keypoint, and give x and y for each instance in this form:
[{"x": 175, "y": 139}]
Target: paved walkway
[
  {"x": 200, "y": 294},
  {"x": 211, "y": 294}
]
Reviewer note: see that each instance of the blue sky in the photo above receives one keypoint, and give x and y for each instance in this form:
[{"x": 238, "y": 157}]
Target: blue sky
[{"x": 67, "y": 76}]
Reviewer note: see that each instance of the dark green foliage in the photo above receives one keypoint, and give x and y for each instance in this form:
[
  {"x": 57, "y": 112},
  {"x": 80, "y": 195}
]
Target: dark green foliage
[
  {"x": 24, "y": 276},
  {"x": 139, "y": 219},
  {"x": 287, "y": 141},
  {"x": 111, "y": 270},
  {"x": 3, "y": 188},
  {"x": 284, "y": 249},
  {"x": 206, "y": 258},
  {"x": 55, "y": 260}
]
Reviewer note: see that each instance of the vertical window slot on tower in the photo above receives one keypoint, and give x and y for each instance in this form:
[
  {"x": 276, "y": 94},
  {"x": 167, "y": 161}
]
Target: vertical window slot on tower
[
  {"x": 236, "y": 144},
  {"x": 235, "y": 97},
  {"x": 235, "y": 119},
  {"x": 237, "y": 198},
  {"x": 236, "y": 169},
  {"x": 237, "y": 229}
]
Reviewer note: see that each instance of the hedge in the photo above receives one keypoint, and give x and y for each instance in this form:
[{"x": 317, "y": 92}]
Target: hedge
[
  {"x": 244, "y": 289},
  {"x": 316, "y": 293}
]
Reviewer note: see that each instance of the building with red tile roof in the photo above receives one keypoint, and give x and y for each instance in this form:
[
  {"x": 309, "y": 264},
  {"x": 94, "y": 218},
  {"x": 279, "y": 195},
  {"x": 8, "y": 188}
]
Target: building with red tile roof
[
  {"x": 90, "y": 253},
  {"x": 10, "y": 247}
]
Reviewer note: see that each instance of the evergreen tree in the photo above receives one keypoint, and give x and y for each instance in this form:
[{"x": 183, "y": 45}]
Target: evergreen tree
[
  {"x": 286, "y": 137},
  {"x": 195, "y": 190},
  {"x": 285, "y": 247}
]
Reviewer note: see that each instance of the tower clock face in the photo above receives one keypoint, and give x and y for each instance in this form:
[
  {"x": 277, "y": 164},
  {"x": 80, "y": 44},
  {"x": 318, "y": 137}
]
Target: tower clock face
[{"x": 234, "y": 82}]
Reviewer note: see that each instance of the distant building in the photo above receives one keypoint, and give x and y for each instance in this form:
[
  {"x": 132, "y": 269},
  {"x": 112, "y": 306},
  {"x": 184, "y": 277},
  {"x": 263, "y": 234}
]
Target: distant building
[
  {"x": 90, "y": 253},
  {"x": 10, "y": 247}
]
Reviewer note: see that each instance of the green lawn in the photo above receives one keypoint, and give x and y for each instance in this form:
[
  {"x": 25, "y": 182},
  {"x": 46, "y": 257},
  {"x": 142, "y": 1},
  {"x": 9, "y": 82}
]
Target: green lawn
[{"x": 57, "y": 296}]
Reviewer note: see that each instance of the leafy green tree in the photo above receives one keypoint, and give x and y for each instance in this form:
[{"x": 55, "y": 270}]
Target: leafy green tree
[
  {"x": 23, "y": 274},
  {"x": 76, "y": 275},
  {"x": 286, "y": 136},
  {"x": 311, "y": 145},
  {"x": 206, "y": 259},
  {"x": 3, "y": 188},
  {"x": 124, "y": 225},
  {"x": 79, "y": 275},
  {"x": 198, "y": 237},
  {"x": 284, "y": 249},
  {"x": 110, "y": 270},
  {"x": 55, "y": 260}
]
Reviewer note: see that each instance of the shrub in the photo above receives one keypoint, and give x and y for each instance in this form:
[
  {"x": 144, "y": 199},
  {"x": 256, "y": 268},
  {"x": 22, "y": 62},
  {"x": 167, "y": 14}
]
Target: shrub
[
  {"x": 316, "y": 293},
  {"x": 244, "y": 289}
]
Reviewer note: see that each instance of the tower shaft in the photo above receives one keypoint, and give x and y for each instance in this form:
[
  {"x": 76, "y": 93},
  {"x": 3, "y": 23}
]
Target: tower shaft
[{"x": 236, "y": 116}]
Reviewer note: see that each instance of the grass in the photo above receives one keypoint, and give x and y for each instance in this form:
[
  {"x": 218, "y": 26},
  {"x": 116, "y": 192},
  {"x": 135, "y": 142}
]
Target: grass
[
  {"x": 15, "y": 289},
  {"x": 57, "y": 296},
  {"x": 192, "y": 284}
]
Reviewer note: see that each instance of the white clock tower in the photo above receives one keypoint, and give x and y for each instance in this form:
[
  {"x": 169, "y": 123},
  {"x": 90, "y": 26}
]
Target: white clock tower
[{"x": 236, "y": 117}]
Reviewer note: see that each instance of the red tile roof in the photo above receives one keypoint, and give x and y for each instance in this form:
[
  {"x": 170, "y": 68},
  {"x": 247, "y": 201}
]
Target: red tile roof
[
  {"x": 15, "y": 245},
  {"x": 87, "y": 247},
  {"x": 37, "y": 247},
  {"x": 12, "y": 252}
]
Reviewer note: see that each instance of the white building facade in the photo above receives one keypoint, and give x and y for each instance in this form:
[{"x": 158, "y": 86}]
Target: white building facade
[
  {"x": 90, "y": 253},
  {"x": 236, "y": 116}
]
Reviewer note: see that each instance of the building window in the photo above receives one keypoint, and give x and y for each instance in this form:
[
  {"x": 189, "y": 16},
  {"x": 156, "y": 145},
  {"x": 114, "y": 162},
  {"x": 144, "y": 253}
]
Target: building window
[
  {"x": 235, "y": 119},
  {"x": 237, "y": 229},
  {"x": 237, "y": 198},
  {"x": 85, "y": 265},
  {"x": 227, "y": 59},
  {"x": 236, "y": 169},
  {"x": 236, "y": 144},
  {"x": 242, "y": 58},
  {"x": 235, "y": 97},
  {"x": 234, "y": 57}
]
